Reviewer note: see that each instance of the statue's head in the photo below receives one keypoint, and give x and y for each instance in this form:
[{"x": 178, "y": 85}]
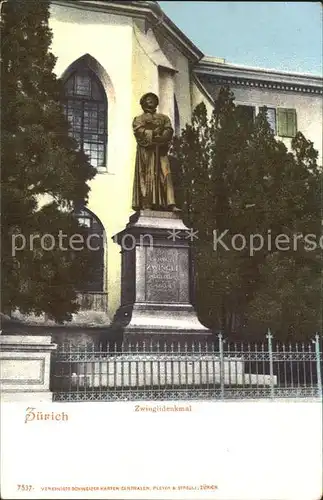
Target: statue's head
[{"x": 149, "y": 102}]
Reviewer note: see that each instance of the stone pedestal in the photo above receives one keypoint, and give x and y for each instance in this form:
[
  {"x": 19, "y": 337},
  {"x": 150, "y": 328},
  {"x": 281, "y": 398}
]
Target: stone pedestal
[
  {"x": 156, "y": 281},
  {"x": 25, "y": 368}
]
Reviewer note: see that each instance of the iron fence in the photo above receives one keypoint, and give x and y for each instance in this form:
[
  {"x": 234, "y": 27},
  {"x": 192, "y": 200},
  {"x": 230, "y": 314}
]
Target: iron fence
[{"x": 219, "y": 370}]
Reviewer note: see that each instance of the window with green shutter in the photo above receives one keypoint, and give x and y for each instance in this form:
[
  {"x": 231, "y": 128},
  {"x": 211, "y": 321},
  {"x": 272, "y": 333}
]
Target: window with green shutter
[{"x": 286, "y": 122}]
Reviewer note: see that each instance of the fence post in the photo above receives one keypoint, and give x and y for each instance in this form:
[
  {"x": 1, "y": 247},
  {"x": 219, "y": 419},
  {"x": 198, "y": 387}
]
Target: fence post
[
  {"x": 220, "y": 337},
  {"x": 318, "y": 363},
  {"x": 271, "y": 363}
]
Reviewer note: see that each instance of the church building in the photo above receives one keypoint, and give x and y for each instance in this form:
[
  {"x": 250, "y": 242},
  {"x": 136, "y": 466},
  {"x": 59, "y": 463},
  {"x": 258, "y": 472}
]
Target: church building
[{"x": 110, "y": 53}]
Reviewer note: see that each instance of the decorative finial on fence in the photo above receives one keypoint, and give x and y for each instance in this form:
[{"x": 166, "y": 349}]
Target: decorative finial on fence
[
  {"x": 316, "y": 338},
  {"x": 269, "y": 335}
]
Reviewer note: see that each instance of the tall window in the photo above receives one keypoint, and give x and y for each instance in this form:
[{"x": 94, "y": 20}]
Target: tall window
[
  {"x": 176, "y": 118},
  {"x": 96, "y": 245},
  {"x": 86, "y": 110}
]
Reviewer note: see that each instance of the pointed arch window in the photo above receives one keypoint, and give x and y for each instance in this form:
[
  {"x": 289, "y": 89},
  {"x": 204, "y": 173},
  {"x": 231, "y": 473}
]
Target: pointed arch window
[
  {"x": 96, "y": 245},
  {"x": 86, "y": 109}
]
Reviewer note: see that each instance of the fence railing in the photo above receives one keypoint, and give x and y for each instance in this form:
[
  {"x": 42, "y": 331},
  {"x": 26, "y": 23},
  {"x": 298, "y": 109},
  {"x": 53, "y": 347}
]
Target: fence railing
[{"x": 219, "y": 370}]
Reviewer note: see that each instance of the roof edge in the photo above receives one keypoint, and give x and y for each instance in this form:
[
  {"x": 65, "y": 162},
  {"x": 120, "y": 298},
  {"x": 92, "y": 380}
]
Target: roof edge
[
  {"x": 208, "y": 66},
  {"x": 149, "y": 10},
  {"x": 202, "y": 89}
]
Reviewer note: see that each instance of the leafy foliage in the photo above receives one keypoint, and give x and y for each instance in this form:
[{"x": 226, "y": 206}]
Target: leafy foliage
[
  {"x": 38, "y": 158},
  {"x": 234, "y": 177}
]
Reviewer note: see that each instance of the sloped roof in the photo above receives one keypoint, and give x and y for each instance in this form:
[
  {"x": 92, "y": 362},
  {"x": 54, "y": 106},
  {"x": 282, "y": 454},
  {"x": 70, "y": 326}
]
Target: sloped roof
[
  {"x": 209, "y": 70},
  {"x": 149, "y": 10},
  {"x": 151, "y": 47}
]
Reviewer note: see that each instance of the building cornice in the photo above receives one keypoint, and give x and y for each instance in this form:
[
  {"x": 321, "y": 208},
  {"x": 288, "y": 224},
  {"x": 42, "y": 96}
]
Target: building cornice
[
  {"x": 202, "y": 89},
  {"x": 145, "y": 10},
  {"x": 229, "y": 74}
]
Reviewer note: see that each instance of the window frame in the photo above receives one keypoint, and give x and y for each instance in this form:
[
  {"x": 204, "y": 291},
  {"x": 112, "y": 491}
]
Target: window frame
[{"x": 83, "y": 100}]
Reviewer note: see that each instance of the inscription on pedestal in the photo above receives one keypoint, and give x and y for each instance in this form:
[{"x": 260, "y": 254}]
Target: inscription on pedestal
[{"x": 162, "y": 275}]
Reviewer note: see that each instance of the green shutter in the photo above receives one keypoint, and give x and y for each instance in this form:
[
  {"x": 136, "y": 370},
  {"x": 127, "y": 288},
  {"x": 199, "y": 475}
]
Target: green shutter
[
  {"x": 281, "y": 122},
  {"x": 286, "y": 122},
  {"x": 291, "y": 122}
]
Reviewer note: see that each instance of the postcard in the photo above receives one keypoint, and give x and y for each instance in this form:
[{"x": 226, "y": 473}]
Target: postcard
[{"x": 161, "y": 255}]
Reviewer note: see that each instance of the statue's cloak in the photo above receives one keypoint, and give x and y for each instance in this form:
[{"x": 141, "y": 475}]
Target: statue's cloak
[{"x": 152, "y": 186}]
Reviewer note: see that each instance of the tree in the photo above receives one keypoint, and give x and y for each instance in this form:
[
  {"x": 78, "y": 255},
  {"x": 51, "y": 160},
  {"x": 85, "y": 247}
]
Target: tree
[
  {"x": 235, "y": 179},
  {"x": 38, "y": 158}
]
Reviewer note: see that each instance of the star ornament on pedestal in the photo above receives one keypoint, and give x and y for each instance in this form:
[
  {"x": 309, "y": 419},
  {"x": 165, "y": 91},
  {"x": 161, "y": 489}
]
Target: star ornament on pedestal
[
  {"x": 191, "y": 234},
  {"x": 173, "y": 234}
]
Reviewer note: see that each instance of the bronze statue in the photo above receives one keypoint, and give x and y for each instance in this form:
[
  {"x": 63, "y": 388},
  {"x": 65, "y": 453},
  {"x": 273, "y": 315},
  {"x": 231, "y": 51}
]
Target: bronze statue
[{"x": 153, "y": 187}]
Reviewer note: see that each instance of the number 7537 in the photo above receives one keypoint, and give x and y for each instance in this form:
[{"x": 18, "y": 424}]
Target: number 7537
[{"x": 24, "y": 487}]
